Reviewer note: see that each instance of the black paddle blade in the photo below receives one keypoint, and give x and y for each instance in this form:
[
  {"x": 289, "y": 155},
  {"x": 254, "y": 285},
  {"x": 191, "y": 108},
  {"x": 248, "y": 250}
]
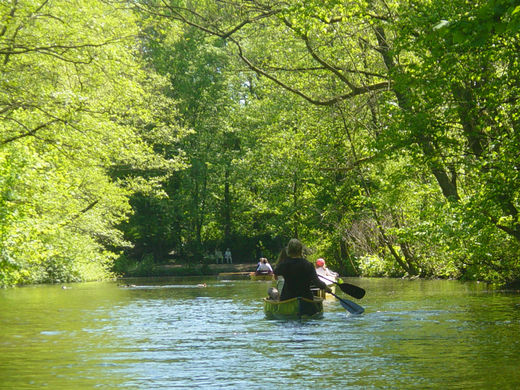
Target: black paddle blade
[
  {"x": 350, "y": 306},
  {"x": 350, "y": 289},
  {"x": 347, "y": 288}
]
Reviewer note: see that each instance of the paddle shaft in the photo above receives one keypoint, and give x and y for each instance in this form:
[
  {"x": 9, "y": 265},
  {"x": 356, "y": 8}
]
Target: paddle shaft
[{"x": 347, "y": 288}]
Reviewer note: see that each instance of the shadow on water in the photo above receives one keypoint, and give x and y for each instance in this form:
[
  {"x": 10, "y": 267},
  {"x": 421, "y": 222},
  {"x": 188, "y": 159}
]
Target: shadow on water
[{"x": 177, "y": 333}]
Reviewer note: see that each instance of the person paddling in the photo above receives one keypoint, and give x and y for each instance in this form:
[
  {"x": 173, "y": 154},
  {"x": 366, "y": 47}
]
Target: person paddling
[
  {"x": 298, "y": 273},
  {"x": 329, "y": 276}
]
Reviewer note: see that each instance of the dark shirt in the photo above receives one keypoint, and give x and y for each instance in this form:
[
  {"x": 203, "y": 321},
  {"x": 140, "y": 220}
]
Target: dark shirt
[{"x": 299, "y": 275}]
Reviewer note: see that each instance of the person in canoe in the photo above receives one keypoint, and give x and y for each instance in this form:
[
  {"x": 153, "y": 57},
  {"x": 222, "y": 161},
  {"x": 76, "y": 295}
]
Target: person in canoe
[
  {"x": 264, "y": 268},
  {"x": 329, "y": 276},
  {"x": 298, "y": 273}
]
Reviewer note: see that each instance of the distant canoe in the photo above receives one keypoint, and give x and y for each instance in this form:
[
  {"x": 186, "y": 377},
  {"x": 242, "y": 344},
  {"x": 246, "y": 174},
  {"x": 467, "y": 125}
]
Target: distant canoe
[
  {"x": 293, "y": 309},
  {"x": 233, "y": 275},
  {"x": 255, "y": 276}
]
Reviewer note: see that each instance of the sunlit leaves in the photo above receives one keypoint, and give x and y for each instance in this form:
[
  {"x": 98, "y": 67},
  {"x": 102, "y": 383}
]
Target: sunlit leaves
[{"x": 74, "y": 102}]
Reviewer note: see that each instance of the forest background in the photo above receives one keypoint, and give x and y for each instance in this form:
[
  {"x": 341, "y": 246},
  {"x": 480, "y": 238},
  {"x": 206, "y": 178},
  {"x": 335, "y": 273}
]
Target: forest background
[{"x": 382, "y": 133}]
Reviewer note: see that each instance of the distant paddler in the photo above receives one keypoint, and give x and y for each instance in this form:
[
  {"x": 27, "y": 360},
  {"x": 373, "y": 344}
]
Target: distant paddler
[{"x": 264, "y": 268}]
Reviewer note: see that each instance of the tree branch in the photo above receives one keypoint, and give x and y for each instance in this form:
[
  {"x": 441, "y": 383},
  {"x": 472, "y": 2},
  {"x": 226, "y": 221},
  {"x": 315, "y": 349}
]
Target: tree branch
[
  {"x": 318, "y": 59},
  {"x": 28, "y": 133}
]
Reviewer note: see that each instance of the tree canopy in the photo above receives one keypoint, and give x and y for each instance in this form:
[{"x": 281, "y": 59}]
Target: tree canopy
[
  {"x": 381, "y": 133},
  {"x": 73, "y": 103}
]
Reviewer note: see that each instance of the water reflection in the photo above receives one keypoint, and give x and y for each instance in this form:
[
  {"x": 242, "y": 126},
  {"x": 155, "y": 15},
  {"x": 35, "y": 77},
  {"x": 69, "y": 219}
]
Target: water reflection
[{"x": 172, "y": 333}]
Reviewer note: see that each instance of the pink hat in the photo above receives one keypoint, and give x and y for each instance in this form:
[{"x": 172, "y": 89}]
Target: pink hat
[{"x": 320, "y": 262}]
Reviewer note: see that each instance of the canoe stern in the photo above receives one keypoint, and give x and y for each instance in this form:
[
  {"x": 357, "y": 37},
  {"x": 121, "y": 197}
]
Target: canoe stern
[{"x": 294, "y": 308}]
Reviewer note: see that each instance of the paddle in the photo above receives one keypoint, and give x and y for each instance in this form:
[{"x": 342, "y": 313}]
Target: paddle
[
  {"x": 350, "y": 306},
  {"x": 347, "y": 288}
]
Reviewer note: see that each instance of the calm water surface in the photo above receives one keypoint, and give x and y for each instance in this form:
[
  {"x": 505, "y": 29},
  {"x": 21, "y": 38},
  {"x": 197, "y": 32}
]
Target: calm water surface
[{"x": 171, "y": 334}]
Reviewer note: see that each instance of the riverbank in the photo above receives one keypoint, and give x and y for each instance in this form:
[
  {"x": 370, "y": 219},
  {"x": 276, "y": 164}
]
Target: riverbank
[{"x": 189, "y": 269}]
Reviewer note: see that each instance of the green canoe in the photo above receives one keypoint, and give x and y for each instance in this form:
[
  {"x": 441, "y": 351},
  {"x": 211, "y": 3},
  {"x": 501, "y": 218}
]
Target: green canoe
[{"x": 293, "y": 309}]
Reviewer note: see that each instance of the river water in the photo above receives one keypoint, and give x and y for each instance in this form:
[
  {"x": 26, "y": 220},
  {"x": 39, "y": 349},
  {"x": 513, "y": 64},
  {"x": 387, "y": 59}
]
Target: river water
[{"x": 173, "y": 334}]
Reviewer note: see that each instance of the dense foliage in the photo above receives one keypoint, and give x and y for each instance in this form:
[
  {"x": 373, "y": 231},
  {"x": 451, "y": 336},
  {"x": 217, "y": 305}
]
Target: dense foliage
[
  {"x": 73, "y": 98},
  {"x": 381, "y": 133}
]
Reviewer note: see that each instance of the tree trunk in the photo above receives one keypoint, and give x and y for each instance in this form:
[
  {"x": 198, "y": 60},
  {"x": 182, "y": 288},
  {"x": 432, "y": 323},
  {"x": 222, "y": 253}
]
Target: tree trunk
[
  {"x": 448, "y": 186},
  {"x": 227, "y": 207}
]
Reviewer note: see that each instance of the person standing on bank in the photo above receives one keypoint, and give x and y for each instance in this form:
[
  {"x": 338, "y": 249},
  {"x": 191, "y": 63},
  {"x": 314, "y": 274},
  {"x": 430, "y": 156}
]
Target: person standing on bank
[
  {"x": 298, "y": 273},
  {"x": 228, "y": 257}
]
